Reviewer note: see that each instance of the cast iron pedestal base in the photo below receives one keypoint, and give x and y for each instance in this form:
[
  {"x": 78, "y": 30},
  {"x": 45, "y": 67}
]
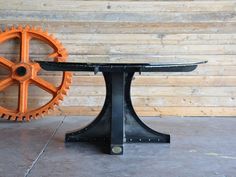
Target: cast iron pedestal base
[{"x": 117, "y": 122}]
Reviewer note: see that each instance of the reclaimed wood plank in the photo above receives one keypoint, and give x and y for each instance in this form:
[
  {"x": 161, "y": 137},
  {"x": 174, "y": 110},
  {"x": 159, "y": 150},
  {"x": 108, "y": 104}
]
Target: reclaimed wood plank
[
  {"x": 137, "y": 91},
  {"x": 152, "y": 111},
  {"x": 147, "y": 17},
  {"x": 126, "y": 27},
  {"x": 121, "y": 6}
]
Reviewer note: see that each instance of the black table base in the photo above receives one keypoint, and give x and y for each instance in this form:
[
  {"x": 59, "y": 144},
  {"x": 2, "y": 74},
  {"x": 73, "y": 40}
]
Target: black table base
[{"x": 117, "y": 122}]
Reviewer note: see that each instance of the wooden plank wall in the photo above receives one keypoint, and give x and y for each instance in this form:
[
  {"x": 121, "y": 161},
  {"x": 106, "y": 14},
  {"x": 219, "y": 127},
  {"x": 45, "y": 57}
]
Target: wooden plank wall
[{"x": 139, "y": 31}]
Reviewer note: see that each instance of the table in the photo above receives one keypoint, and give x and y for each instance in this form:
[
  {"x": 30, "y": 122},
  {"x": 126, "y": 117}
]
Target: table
[{"x": 117, "y": 123}]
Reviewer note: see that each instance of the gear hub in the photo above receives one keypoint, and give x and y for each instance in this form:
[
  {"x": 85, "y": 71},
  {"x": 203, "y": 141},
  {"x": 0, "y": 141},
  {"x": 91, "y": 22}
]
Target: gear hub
[{"x": 25, "y": 72}]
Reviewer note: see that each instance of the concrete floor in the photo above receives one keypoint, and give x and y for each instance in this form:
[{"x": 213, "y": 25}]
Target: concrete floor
[{"x": 200, "y": 147}]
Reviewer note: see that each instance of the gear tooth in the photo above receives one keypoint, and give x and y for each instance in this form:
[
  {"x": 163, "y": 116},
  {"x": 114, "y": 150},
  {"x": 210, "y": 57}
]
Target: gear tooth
[
  {"x": 33, "y": 116},
  {"x": 36, "y": 116},
  {"x": 6, "y": 117},
  {"x": 32, "y": 28},
  {"x": 67, "y": 87},
  {"x": 30, "y": 117},
  {"x": 52, "y": 36},
  {"x": 57, "y": 41},
  {"x": 56, "y": 103},
  {"x": 46, "y": 32},
  {"x": 69, "y": 76},
  {"x": 49, "y": 107},
  {"x": 52, "y": 107},
  {"x": 27, "y": 118},
  {"x": 7, "y": 29},
  {"x": 41, "y": 116},
  {"x": 64, "y": 51},
  {"x": 19, "y": 118},
  {"x": 63, "y": 91},
  {"x": 20, "y": 27},
  {"x": 12, "y": 118},
  {"x": 46, "y": 111},
  {"x": 39, "y": 29},
  {"x": 60, "y": 97},
  {"x": 13, "y": 27},
  {"x": 68, "y": 80},
  {"x": 27, "y": 27}
]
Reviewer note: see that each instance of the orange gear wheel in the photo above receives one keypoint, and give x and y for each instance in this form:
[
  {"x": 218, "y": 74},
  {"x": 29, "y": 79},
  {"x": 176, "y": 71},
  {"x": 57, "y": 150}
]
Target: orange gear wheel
[{"x": 25, "y": 72}]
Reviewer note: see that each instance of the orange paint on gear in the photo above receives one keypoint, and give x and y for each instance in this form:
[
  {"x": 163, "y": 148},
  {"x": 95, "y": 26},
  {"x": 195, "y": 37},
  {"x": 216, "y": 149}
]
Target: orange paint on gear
[{"x": 25, "y": 72}]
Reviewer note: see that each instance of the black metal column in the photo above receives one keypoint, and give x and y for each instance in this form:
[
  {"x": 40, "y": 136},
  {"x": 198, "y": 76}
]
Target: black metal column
[
  {"x": 117, "y": 122},
  {"x": 117, "y": 112}
]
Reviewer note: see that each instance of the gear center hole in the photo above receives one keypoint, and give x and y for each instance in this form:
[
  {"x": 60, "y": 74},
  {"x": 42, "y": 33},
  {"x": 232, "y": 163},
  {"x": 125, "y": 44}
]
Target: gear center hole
[{"x": 21, "y": 71}]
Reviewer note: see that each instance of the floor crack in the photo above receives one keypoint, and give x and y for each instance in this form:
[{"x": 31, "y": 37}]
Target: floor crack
[{"x": 44, "y": 148}]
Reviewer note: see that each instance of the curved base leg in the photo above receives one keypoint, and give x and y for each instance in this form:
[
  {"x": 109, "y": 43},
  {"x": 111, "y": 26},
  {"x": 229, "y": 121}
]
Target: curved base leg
[
  {"x": 99, "y": 129},
  {"x": 135, "y": 130},
  {"x": 117, "y": 123}
]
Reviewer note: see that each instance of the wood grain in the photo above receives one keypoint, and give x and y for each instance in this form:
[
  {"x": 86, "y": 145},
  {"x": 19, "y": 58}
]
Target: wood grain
[
  {"x": 153, "y": 111},
  {"x": 134, "y": 31},
  {"x": 120, "y": 6}
]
